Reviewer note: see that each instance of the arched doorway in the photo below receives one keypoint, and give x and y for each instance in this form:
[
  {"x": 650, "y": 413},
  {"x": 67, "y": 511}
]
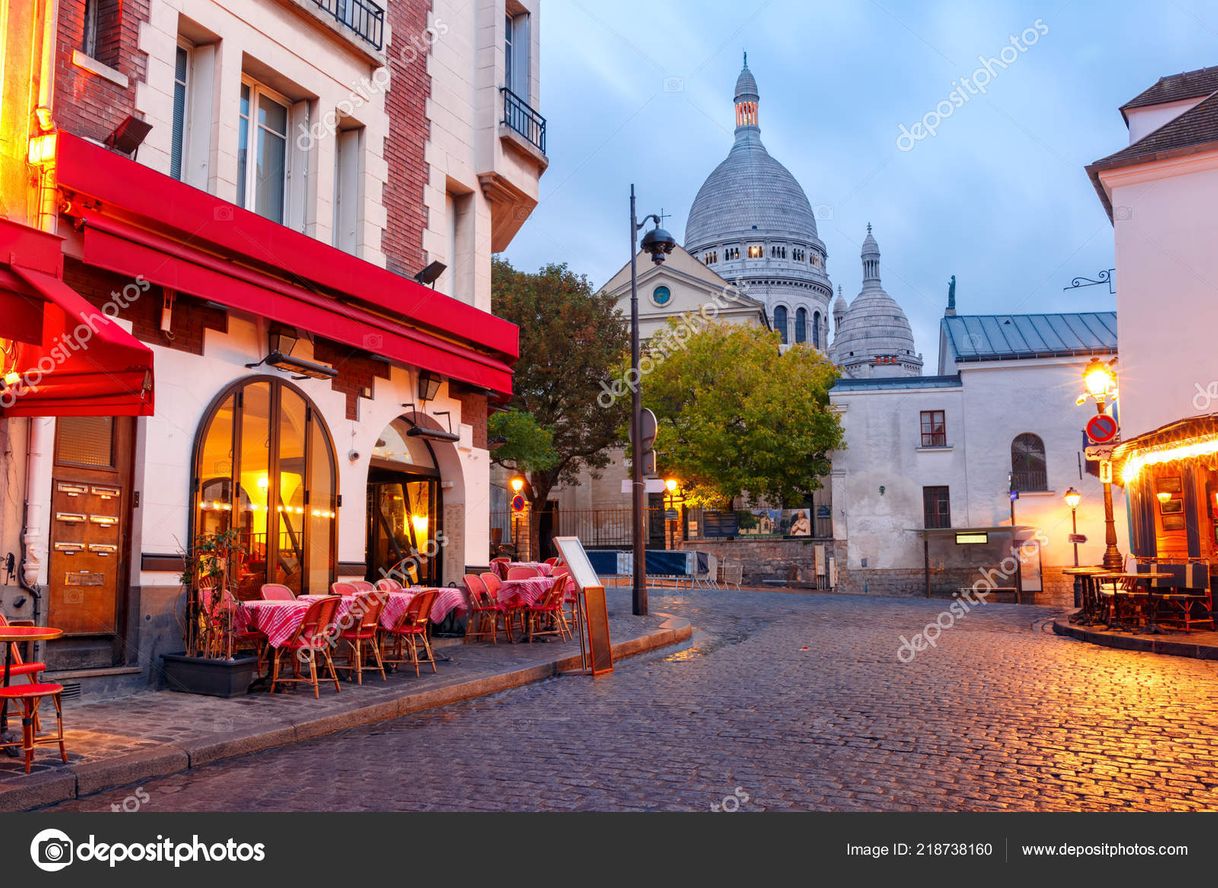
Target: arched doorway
[
  {"x": 264, "y": 465},
  {"x": 405, "y": 508}
]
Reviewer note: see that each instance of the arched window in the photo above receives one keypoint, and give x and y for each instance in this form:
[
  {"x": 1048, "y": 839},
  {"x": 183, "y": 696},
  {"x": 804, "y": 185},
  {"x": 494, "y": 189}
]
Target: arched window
[
  {"x": 801, "y": 325},
  {"x": 816, "y": 329},
  {"x": 780, "y": 322},
  {"x": 264, "y": 465},
  {"x": 1028, "y": 471}
]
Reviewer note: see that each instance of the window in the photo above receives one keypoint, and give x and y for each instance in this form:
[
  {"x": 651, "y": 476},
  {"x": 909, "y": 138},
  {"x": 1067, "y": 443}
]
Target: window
[
  {"x": 936, "y": 507},
  {"x": 710, "y": 258},
  {"x": 262, "y": 152},
  {"x": 797, "y": 254},
  {"x": 348, "y": 191},
  {"x": 756, "y": 251},
  {"x": 181, "y": 70},
  {"x": 731, "y": 253},
  {"x": 934, "y": 428},
  {"x": 801, "y": 325},
  {"x": 1028, "y": 469},
  {"x": 516, "y": 53},
  {"x": 264, "y": 465},
  {"x": 780, "y": 322},
  {"x": 816, "y": 329},
  {"x": 661, "y": 296}
]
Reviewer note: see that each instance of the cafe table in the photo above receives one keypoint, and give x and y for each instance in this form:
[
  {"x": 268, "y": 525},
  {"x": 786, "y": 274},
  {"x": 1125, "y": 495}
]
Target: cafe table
[
  {"x": 1152, "y": 625},
  {"x": 10, "y": 636},
  {"x": 1132, "y": 578},
  {"x": 1085, "y": 575}
]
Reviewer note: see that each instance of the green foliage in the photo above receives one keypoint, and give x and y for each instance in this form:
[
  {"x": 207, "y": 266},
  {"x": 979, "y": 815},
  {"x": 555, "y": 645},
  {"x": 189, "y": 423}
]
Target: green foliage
[
  {"x": 571, "y": 340},
  {"x": 740, "y": 419},
  {"x": 527, "y": 447}
]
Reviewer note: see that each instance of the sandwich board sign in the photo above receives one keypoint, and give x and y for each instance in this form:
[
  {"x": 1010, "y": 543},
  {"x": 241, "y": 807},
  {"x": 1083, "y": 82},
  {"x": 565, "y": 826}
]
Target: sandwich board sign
[{"x": 595, "y": 649}]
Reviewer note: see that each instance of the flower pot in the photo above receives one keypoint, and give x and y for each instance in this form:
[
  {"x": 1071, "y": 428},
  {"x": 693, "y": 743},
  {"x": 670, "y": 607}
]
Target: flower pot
[{"x": 215, "y": 678}]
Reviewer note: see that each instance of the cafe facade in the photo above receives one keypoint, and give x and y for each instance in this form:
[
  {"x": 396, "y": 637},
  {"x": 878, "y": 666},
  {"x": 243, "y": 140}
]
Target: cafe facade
[{"x": 313, "y": 376}]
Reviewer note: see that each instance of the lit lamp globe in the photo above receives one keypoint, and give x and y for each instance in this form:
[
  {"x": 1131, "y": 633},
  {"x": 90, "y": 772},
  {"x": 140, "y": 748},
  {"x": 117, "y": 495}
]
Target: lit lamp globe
[
  {"x": 1098, "y": 379},
  {"x": 671, "y": 484},
  {"x": 517, "y": 484},
  {"x": 1072, "y": 498},
  {"x": 1162, "y": 496}
]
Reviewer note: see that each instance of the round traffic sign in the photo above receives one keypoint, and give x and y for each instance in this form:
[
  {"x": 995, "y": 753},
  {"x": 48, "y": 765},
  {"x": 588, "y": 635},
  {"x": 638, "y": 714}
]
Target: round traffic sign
[
  {"x": 518, "y": 503},
  {"x": 1102, "y": 428}
]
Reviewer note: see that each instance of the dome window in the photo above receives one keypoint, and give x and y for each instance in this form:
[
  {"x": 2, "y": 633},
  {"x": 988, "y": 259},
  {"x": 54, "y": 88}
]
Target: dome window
[{"x": 756, "y": 251}]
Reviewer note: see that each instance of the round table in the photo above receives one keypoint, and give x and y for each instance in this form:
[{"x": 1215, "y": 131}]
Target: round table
[
  {"x": 1084, "y": 577},
  {"x": 10, "y": 636},
  {"x": 1152, "y": 625}
]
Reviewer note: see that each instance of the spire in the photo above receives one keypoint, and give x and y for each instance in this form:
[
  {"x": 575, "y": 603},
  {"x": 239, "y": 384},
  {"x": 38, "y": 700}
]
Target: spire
[
  {"x": 951, "y": 298},
  {"x": 839, "y": 309},
  {"x": 746, "y": 100},
  {"x": 871, "y": 259}
]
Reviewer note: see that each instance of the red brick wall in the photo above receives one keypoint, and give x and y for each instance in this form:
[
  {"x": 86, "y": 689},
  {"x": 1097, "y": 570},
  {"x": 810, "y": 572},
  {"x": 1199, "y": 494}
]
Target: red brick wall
[
  {"x": 86, "y": 104},
  {"x": 473, "y": 412},
  {"x": 406, "y": 104},
  {"x": 356, "y": 371}
]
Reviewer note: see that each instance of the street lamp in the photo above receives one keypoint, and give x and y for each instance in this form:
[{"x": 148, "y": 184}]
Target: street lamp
[
  {"x": 1073, "y": 498},
  {"x": 659, "y": 243},
  {"x": 670, "y": 486},
  {"x": 517, "y": 483},
  {"x": 1100, "y": 384}
]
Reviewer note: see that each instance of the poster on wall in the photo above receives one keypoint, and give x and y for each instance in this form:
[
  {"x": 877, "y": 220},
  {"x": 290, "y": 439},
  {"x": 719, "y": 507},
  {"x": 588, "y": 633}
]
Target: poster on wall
[
  {"x": 758, "y": 522},
  {"x": 797, "y": 522}
]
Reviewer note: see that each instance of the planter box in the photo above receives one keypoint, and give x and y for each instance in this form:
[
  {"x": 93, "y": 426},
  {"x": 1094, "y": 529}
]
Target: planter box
[{"x": 215, "y": 678}]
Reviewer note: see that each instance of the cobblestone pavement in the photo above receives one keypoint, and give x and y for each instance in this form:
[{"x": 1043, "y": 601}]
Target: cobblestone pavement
[{"x": 782, "y": 701}]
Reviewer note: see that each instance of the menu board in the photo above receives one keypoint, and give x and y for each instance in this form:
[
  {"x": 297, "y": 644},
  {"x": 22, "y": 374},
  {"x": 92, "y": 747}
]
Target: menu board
[{"x": 599, "y": 651}]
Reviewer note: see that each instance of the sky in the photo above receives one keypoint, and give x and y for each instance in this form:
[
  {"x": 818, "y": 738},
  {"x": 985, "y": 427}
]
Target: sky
[{"x": 641, "y": 92}]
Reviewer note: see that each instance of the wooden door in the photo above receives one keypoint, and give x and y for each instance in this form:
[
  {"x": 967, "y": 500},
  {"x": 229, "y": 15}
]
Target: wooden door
[{"x": 90, "y": 520}]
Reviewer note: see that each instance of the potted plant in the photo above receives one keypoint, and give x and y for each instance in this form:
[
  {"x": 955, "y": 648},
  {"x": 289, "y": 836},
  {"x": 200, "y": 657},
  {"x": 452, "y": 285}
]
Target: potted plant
[{"x": 210, "y": 663}]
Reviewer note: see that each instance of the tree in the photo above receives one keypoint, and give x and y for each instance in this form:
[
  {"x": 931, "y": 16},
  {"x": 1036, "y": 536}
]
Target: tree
[
  {"x": 571, "y": 341},
  {"x": 738, "y": 418}
]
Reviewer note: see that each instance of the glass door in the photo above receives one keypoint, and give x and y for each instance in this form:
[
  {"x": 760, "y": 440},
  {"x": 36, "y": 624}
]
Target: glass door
[{"x": 403, "y": 515}]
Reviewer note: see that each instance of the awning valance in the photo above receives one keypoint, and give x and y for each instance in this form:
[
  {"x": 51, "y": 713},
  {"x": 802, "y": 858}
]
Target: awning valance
[{"x": 1193, "y": 438}]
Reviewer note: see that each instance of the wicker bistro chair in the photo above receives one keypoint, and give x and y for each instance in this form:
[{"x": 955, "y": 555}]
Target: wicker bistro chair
[
  {"x": 29, "y": 697},
  {"x": 363, "y": 586},
  {"x": 483, "y": 608},
  {"x": 546, "y": 616},
  {"x": 499, "y": 565},
  {"x": 492, "y": 583},
  {"x": 343, "y": 588},
  {"x": 310, "y": 640},
  {"x": 388, "y": 584},
  {"x": 411, "y": 630},
  {"x": 522, "y": 573},
  {"x": 364, "y": 634},
  {"x": 19, "y": 667},
  {"x": 1191, "y": 601},
  {"x": 277, "y": 592}
]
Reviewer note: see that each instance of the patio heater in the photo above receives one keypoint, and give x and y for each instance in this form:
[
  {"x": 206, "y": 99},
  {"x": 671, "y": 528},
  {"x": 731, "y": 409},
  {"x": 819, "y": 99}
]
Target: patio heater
[{"x": 659, "y": 243}]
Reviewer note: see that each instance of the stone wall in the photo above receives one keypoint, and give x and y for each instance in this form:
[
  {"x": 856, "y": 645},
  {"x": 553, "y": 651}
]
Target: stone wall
[{"x": 783, "y": 561}]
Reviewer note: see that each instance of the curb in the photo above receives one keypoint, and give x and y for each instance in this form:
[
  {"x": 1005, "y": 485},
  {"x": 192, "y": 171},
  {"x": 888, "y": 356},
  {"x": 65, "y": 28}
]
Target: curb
[
  {"x": 1137, "y": 643},
  {"x": 87, "y": 778}
]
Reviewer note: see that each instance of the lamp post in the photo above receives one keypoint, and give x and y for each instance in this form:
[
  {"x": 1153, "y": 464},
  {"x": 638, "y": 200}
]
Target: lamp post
[
  {"x": 670, "y": 488},
  {"x": 1099, "y": 384},
  {"x": 1073, "y": 498},
  {"x": 659, "y": 243},
  {"x": 517, "y": 485}
]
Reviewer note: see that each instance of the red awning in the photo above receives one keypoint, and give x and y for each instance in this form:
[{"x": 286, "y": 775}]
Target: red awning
[
  {"x": 142, "y": 222},
  {"x": 79, "y": 363}
]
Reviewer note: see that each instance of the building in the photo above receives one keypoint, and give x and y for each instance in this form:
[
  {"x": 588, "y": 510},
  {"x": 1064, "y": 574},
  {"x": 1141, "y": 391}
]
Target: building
[
  {"x": 1158, "y": 192},
  {"x": 250, "y": 197},
  {"x": 921, "y": 494}
]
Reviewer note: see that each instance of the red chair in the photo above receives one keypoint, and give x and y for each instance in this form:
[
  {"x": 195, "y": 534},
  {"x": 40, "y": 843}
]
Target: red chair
[
  {"x": 310, "y": 638},
  {"x": 363, "y": 586},
  {"x": 492, "y": 583},
  {"x": 277, "y": 592},
  {"x": 30, "y": 697},
  {"x": 552, "y": 561},
  {"x": 412, "y": 629},
  {"x": 20, "y": 667},
  {"x": 388, "y": 584},
  {"x": 549, "y": 611},
  {"x": 481, "y": 608},
  {"x": 366, "y": 632},
  {"x": 343, "y": 589},
  {"x": 500, "y": 565},
  {"x": 522, "y": 573}
]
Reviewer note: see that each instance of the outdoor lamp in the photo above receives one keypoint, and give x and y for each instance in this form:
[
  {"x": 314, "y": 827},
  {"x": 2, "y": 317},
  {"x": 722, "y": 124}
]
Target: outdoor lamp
[
  {"x": 517, "y": 483},
  {"x": 659, "y": 243},
  {"x": 1072, "y": 498},
  {"x": 1098, "y": 379},
  {"x": 671, "y": 484},
  {"x": 429, "y": 385},
  {"x": 281, "y": 340}
]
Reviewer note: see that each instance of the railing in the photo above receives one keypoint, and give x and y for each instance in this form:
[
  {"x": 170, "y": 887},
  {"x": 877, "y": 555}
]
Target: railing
[
  {"x": 1030, "y": 481},
  {"x": 518, "y": 115},
  {"x": 365, "y": 18}
]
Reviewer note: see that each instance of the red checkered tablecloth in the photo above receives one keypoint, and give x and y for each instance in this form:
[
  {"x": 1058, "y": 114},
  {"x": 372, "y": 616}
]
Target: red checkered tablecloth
[
  {"x": 279, "y": 621},
  {"x": 395, "y": 605},
  {"x": 448, "y": 600},
  {"x": 524, "y": 592}
]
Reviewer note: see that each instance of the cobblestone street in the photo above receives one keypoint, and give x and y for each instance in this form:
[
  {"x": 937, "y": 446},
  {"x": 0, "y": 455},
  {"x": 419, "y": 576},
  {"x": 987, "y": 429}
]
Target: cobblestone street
[{"x": 782, "y": 701}]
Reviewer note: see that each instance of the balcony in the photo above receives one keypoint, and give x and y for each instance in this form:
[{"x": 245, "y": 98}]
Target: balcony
[
  {"x": 520, "y": 118},
  {"x": 364, "y": 17},
  {"x": 1030, "y": 480}
]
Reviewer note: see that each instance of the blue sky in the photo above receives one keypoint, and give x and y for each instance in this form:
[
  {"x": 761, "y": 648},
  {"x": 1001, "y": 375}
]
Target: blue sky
[{"x": 642, "y": 92}]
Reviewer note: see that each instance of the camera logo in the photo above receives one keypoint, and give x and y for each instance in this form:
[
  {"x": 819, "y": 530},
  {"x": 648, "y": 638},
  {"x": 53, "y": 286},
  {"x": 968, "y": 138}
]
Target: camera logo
[{"x": 51, "y": 850}]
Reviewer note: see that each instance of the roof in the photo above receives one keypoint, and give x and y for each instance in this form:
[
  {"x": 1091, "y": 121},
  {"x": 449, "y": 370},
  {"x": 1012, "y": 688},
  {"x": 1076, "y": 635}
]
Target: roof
[
  {"x": 1010, "y": 337},
  {"x": 848, "y": 384},
  {"x": 1175, "y": 88},
  {"x": 1194, "y": 131}
]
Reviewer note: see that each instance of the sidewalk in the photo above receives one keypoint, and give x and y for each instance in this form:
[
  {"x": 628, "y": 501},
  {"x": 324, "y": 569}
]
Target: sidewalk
[
  {"x": 1196, "y": 644},
  {"x": 153, "y": 733}
]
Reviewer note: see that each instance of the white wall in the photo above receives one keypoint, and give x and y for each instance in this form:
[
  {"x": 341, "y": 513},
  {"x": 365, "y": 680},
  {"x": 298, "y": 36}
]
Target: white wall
[{"x": 1167, "y": 276}]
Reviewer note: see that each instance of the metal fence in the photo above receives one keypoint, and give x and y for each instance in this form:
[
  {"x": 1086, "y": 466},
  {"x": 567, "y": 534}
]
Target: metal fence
[
  {"x": 520, "y": 116},
  {"x": 364, "y": 17}
]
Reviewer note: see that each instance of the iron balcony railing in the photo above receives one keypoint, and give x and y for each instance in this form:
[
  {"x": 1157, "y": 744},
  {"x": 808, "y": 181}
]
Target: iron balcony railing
[
  {"x": 365, "y": 18},
  {"x": 519, "y": 116},
  {"x": 1029, "y": 480}
]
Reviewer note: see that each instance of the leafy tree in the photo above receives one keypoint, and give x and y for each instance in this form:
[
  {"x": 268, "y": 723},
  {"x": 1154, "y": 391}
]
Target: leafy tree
[
  {"x": 571, "y": 342},
  {"x": 738, "y": 418}
]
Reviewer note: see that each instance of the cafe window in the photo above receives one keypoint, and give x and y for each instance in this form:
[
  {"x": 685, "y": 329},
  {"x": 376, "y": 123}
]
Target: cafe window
[
  {"x": 936, "y": 507},
  {"x": 934, "y": 428},
  {"x": 264, "y": 465}
]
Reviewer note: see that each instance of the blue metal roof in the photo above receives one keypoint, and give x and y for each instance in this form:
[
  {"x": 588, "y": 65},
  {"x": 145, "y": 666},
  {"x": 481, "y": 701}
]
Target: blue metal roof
[
  {"x": 1006, "y": 337},
  {"x": 846, "y": 384}
]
